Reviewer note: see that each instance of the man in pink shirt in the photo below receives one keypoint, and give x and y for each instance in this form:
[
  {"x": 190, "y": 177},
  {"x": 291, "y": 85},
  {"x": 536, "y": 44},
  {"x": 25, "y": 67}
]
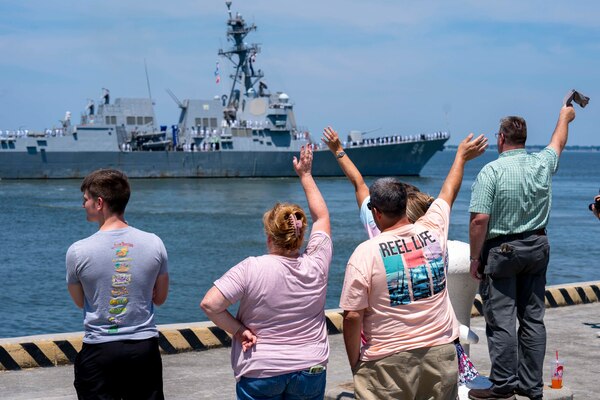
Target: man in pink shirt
[{"x": 395, "y": 290}]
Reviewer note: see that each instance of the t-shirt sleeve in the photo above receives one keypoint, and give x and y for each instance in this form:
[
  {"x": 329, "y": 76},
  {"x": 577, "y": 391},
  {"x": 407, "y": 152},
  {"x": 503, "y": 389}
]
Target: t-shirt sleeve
[
  {"x": 437, "y": 216},
  {"x": 164, "y": 257},
  {"x": 233, "y": 283},
  {"x": 366, "y": 217},
  {"x": 71, "y": 263},
  {"x": 320, "y": 249},
  {"x": 482, "y": 192},
  {"x": 355, "y": 292}
]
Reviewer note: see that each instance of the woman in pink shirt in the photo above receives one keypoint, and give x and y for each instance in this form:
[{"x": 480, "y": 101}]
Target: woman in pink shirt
[{"x": 280, "y": 347}]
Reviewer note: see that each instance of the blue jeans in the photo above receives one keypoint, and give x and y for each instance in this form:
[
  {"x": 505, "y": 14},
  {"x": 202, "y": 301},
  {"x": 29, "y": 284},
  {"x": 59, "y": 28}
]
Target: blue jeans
[{"x": 298, "y": 385}]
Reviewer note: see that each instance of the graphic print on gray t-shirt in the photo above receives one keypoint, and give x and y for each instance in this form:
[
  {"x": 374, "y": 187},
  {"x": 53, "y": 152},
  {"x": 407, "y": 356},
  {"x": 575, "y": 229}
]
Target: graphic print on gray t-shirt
[{"x": 117, "y": 270}]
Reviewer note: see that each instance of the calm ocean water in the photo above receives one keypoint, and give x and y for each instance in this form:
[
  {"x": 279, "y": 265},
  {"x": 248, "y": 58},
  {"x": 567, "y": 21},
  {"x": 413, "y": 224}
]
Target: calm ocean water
[{"x": 210, "y": 225}]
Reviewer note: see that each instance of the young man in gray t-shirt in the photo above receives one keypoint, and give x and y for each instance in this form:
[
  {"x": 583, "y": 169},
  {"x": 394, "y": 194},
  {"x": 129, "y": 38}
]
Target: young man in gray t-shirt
[{"x": 117, "y": 275}]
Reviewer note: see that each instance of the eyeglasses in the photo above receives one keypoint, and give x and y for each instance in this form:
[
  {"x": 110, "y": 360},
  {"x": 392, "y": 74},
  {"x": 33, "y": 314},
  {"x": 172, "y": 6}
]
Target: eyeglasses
[{"x": 497, "y": 134}]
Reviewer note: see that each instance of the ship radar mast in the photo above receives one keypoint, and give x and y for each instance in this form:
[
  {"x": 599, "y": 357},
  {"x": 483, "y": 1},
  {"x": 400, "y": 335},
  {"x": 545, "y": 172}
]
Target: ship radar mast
[{"x": 242, "y": 55}]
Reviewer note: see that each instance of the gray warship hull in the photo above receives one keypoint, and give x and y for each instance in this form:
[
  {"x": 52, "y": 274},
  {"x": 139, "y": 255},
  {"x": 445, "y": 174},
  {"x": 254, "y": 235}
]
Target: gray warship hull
[
  {"x": 382, "y": 160},
  {"x": 249, "y": 132}
]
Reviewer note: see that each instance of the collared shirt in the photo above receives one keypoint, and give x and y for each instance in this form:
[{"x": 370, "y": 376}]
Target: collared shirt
[{"x": 515, "y": 191}]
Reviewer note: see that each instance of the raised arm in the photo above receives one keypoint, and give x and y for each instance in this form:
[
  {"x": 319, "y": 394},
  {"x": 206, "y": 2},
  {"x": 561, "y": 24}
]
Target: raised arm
[
  {"x": 316, "y": 203},
  {"x": 332, "y": 140},
  {"x": 561, "y": 132},
  {"x": 467, "y": 150}
]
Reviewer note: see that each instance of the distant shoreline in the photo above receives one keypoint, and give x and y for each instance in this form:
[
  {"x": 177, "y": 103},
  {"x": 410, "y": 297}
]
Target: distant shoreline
[{"x": 537, "y": 147}]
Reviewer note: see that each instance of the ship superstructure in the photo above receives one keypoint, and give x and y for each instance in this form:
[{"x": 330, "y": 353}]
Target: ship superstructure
[{"x": 250, "y": 131}]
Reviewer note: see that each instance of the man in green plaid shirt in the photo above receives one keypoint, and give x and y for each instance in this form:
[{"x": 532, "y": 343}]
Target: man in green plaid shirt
[{"x": 510, "y": 204}]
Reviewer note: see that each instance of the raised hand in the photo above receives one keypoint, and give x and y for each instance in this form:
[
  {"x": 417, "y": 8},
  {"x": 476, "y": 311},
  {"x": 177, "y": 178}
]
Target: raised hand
[
  {"x": 332, "y": 140},
  {"x": 567, "y": 113},
  {"x": 471, "y": 148},
  {"x": 303, "y": 166}
]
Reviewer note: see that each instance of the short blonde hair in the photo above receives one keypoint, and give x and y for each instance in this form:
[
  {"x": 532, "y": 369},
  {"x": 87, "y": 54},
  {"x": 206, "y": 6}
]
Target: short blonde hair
[
  {"x": 417, "y": 204},
  {"x": 285, "y": 224}
]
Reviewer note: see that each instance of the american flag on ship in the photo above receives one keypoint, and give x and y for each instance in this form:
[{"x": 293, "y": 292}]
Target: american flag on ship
[{"x": 217, "y": 74}]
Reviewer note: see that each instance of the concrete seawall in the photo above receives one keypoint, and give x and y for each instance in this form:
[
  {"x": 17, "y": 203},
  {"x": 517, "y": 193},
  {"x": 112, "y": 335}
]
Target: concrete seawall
[{"x": 59, "y": 349}]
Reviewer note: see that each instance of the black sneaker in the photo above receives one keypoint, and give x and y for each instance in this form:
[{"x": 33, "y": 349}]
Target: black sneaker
[{"x": 489, "y": 394}]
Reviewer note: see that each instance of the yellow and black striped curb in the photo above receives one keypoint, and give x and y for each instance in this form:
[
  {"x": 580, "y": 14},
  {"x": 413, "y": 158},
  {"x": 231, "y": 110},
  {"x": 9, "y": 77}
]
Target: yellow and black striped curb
[
  {"x": 558, "y": 296},
  {"x": 59, "y": 349},
  {"x": 47, "y": 351}
]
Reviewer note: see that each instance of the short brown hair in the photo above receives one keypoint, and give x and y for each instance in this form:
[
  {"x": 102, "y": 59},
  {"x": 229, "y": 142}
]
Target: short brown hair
[
  {"x": 110, "y": 184},
  {"x": 279, "y": 225},
  {"x": 514, "y": 130}
]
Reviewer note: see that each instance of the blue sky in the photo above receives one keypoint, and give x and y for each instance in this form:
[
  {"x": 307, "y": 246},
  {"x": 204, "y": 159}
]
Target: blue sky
[{"x": 397, "y": 67}]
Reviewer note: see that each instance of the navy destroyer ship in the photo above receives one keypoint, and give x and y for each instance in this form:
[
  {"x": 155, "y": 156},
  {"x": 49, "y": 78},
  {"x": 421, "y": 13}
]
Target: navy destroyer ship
[{"x": 249, "y": 132}]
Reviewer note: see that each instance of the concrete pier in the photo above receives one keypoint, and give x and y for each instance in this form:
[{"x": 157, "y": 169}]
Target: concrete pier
[{"x": 572, "y": 330}]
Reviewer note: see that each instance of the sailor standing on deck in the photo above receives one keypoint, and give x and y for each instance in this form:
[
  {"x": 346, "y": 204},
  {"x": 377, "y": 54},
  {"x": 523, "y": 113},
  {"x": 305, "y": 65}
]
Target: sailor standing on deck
[{"x": 91, "y": 107}]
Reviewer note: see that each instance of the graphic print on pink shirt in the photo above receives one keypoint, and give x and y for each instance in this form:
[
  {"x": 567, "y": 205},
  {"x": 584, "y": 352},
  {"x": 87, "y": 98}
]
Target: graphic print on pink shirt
[{"x": 414, "y": 268}]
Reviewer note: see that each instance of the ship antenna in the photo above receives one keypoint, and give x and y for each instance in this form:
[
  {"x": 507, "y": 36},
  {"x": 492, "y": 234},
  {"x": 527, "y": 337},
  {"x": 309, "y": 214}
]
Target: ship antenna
[
  {"x": 147, "y": 79},
  {"x": 237, "y": 32},
  {"x": 228, "y": 4},
  {"x": 175, "y": 99}
]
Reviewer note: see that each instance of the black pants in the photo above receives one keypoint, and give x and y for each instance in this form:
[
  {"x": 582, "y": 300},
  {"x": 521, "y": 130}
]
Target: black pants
[
  {"x": 125, "y": 369},
  {"x": 513, "y": 288}
]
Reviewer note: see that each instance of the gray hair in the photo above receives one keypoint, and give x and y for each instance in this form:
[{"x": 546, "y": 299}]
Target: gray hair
[{"x": 388, "y": 195}]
